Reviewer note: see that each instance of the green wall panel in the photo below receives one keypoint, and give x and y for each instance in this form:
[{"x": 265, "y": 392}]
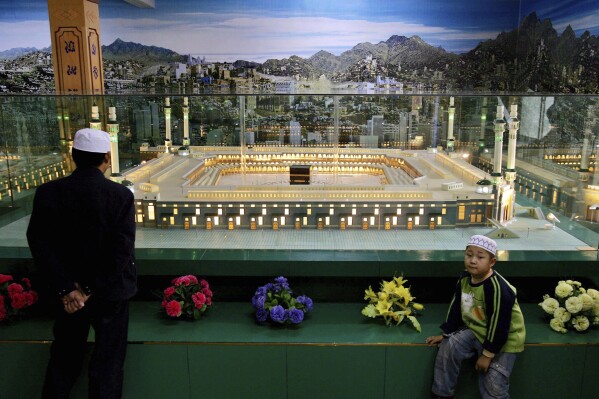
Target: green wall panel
[
  {"x": 556, "y": 370},
  {"x": 19, "y": 360},
  {"x": 590, "y": 372},
  {"x": 335, "y": 372},
  {"x": 156, "y": 371},
  {"x": 402, "y": 364},
  {"x": 237, "y": 371},
  {"x": 23, "y": 375}
]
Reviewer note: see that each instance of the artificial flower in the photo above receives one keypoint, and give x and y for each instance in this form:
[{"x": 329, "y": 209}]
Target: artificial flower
[
  {"x": 277, "y": 314},
  {"x": 399, "y": 281},
  {"x": 261, "y": 314},
  {"x": 587, "y": 302},
  {"x": 573, "y": 308},
  {"x": 199, "y": 299},
  {"x": 370, "y": 311},
  {"x": 5, "y": 278},
  {"x": 185, "y": 280},
  {"x": 549, "y": 305},
  {"x": 369, "y": 294},
  {"x": 173, "y": 308},
  {"x": 275, "y": 301},
  {"x": 593, "y": 293},
  {"x": 14, "y": 288},
  {"x": 573, "y": 304},
  {"x": 383, "y": 296},
  {"x": 393, "y": 303},
  {"x": 186, "y": 297},
  {"x": 306, "y": 301},
  {"x": 296, "y": 316},
  {"x": 562, "y": 315},
  {"x": 383, "y": 306},
  {"x": 580, "y": 323},
  {"x": 18, "y": 301},
  {"x": 388, "y": 286},
  {"x": 563, "y": 289},
  {"x": 557, "y": 325},
  {"x": 403, "y": 293},
  {"x": 15, "y": 297}
]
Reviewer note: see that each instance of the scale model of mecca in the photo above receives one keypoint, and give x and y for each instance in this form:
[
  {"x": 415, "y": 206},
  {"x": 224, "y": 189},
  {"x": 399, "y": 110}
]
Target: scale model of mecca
[{"x": 278, "y": 187}]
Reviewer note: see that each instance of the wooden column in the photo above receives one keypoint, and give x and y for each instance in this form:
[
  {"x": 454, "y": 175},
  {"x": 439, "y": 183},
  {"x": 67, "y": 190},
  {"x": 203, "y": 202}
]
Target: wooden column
[{"x": 76, "y": 48}]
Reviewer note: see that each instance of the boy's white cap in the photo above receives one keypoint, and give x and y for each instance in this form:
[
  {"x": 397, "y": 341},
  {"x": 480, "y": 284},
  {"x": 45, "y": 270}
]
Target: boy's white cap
[
  {"x": 483, "y": 242},
  {"x": 92, "y": 140}
]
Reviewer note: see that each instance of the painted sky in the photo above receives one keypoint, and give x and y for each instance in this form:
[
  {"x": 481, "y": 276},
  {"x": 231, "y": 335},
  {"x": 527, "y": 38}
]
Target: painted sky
[
  {"x": 226, "y": 30},
  {"x": 582, "y": 15}
]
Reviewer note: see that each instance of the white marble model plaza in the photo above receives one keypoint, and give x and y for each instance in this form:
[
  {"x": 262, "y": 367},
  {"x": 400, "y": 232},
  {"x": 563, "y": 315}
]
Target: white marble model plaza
[{"x": 233, "y": 187}]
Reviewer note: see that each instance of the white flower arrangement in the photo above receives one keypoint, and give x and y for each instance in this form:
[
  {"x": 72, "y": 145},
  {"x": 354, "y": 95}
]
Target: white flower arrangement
[{"x": 573, "y": 308}]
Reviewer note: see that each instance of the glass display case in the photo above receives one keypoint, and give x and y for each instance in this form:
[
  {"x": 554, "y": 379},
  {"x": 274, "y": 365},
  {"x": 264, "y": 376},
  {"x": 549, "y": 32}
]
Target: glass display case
[{"x": 325, "y": 171}]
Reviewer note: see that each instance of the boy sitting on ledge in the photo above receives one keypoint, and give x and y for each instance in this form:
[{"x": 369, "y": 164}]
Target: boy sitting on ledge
[{"x": 484, "y": 320}]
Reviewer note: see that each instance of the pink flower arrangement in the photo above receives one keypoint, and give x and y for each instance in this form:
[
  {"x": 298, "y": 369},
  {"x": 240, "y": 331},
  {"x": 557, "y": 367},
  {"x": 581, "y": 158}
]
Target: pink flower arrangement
[
  {"x": 187, "y": 297},
  {"x": 15, "y": 297}
]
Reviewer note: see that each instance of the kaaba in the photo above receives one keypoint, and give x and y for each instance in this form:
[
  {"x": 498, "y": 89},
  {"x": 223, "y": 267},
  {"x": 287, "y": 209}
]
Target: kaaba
[{"x": 299, "y": 174}]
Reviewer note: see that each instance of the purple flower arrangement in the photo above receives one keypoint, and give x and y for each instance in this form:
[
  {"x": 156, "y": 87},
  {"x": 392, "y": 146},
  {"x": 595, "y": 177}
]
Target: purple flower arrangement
[{"x": 275, "y": 302}]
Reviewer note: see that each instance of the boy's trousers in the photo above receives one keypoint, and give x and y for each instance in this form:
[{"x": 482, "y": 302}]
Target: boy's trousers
[{"x": 460, "y": 346}]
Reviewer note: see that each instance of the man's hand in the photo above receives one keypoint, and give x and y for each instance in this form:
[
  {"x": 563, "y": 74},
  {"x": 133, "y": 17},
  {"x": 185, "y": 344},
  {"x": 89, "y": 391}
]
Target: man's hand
[
  {"x": 482, "y": 364},
  {"x": 74, "y": 300}
]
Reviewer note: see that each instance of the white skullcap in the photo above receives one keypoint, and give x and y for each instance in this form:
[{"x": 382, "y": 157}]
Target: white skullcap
[
  {"x": 92, "y": 140},
  {"x": 483, "y": 242}
]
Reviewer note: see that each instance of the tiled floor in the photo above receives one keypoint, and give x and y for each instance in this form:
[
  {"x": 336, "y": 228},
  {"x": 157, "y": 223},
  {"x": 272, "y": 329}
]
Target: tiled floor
[{"x": 534, "y": 236}]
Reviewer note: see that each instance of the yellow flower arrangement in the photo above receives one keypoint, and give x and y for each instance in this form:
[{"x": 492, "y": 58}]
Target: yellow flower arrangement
[{"x": 393, "y": 303}]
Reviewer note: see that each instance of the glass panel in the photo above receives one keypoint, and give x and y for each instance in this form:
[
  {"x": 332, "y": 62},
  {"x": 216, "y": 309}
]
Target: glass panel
[{"x": 479, "y": 161}]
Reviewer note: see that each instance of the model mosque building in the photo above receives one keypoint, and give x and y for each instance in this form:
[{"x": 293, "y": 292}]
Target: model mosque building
[{"x": 348, "y": 188}]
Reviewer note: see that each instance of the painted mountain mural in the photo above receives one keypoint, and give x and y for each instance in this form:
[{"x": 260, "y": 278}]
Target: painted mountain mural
[
  {"x": 534, "y": 58},
  {"x": 531, "y": 58}
]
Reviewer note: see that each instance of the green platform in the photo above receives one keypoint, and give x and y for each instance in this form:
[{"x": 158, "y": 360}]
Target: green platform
[{"x": 335, "y": 353}]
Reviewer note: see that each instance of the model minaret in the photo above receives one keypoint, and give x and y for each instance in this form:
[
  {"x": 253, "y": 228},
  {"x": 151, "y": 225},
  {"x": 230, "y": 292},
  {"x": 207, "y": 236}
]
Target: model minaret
[
  {"x": 95, "y": 123},
  {"x": 483, "y": 125},
  {"x": 513, "y": 126},
  {"x": 451, "y": 115},
  {"x": 496, "y": 175},
  {"x": 185, "y": 121},
  {"x": 113, "y": 130},
  {"x": 167, "y": 117},
  {"x": 499, "y": 129},
  {"x": 64, "y": 127},
  {"x": 583, "y": 173}
]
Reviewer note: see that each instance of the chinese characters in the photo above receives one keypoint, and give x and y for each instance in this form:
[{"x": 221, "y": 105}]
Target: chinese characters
[{"x": 69, "y": 46}]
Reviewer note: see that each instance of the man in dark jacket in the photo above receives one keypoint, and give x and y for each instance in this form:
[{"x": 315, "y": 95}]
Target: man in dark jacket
[{"x": 81, "y": 235}]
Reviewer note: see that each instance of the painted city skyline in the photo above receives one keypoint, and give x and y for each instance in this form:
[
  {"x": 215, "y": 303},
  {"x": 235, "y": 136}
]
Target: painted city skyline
[{"x": 261, "y": 30}]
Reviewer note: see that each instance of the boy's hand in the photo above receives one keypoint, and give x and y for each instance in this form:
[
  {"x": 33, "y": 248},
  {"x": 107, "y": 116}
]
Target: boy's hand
[
  {"x": 434, "y": 340},
  {"x": 482, "y": 364}
]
